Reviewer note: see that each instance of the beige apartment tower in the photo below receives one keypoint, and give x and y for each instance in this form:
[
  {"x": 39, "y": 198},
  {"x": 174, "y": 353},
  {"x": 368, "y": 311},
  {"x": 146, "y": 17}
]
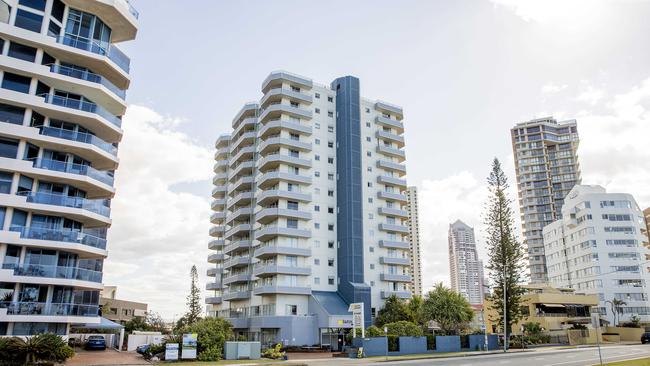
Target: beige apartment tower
[
  {"x": 414, "y": 240},
  {"x": 546, "y": 165},
  {"x": 465, "y": 269}
]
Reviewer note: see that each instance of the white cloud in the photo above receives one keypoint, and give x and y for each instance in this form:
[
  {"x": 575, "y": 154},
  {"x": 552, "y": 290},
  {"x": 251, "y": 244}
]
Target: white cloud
[
  {"x": 569, "y": 13},
  {"x": 551, "y": 88},
  {"x": 157, "y": 232},
  {"x": 590, "y": 94}
]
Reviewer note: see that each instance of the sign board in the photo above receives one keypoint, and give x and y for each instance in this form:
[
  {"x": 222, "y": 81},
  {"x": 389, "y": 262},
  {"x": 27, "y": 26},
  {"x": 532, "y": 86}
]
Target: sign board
[
  {"x": 189, "y": 346},
  {"x": 483, "y": 327},
  {"x": 171, "y": 352},
  {"x": 357, "y": 318}
]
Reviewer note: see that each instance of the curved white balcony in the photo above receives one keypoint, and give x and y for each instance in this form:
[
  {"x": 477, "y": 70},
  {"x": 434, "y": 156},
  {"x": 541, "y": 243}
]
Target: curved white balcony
[
  {"x": 222, "y": 154},
  {"x": 213, "y": 300},
  {"x": 391, "y": 151},
  {"x": 389, "y": 122},
  {"x": 393, "y": 109},
  {"x": 247, "y": 110},
  {"x": 215, "y": 271},
  {"x": 219, "y": 191},
  {"x": 268, "y": 215},
  {"x": 236, "y": 295},
  {"x": 236, "y": 262},
  {"x": 238, "y": 230},
  {"x": 390, "y": 196},
  {"x": 244, "y": 139},
  {"x": 220, "y": 178},
  {"x": 276, "y": 78},
  {"x": 237, "y": 278},
  {"x": 215, "y": 258},
  {"x": 237, "y": 246},
  {"x": 240, "y": 214},
  {"x": 277, "y": 94},
  {"x": 392, "y": 244},
  {"x": 391, "y": 181},
  {"x": 270, "y": 232},
  {"x": 243, "y": 154},
  {"x": 47, "y": 312},
  {"x": 273, "y": 195},
  {"x": 272, "y": 161},
  {"x": 399, "y": 294},
  {"x": 391, "y": 137},
  {"x": 51, "y": 275},
  {"x": 394, "y": 277},
  {"x": 217, "y": 231},
  {"x": 287, "y": 290},
  {"x": 386, "y": 211},
  {"x": 218, "y": 204},
  {"x": 240, "y": 199},
  {"x": 89, "y": 147},
  {"x": 393, "y": 228},
  {"x": 274, "y": 111},
  {"x": 275, "y": 142},
  {"x": 244, "y": 183},
  {"x": 247, "y": 123},
  {"x": 84, "y": 244},
  {"x": 220, "y": 166},
  {"x": 391, "y": 166},
  {"x": 271, "y": 269},
  {"x": 215, "y": 285},
  {"x": 218, "y": 217},
  {"x": 216, "y": 244},
  {"x": 244, "y": 168},
  {"x": 395, "y": 261},
  {"x": 271, "y": 178},
  {"x": 268, "y": 251},
  {"x": 275, "y": 126},
  {"x": 119, "y": 15},
  {"x": 88, "y": 212},
  {"x": 222, "y": 142}
]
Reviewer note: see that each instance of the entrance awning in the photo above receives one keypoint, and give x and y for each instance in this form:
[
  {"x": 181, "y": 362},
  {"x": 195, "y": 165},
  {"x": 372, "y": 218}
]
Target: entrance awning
[{"x": 103, "y": 324}]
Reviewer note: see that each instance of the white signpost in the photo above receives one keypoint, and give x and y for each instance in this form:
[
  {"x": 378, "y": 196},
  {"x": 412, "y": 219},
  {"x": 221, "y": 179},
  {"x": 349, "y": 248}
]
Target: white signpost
[
  {"x": 171, "y": 352},
  {"x": 357, "y": 318}
]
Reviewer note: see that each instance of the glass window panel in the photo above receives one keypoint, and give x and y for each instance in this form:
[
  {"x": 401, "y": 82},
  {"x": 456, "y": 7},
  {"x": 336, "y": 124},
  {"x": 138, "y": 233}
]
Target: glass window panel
[
  {"x": 11, "y": 114},
  {"x": 15, "y": 82},
  {"x": 8, "y": 148},
  {"x": 22, "y": 52},
  {"x": 29, "y": 21}
]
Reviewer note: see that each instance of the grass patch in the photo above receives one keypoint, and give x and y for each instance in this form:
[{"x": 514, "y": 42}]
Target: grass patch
[
  {"x": 639, "y": 362},
  {"x": 234, "y": 362}
]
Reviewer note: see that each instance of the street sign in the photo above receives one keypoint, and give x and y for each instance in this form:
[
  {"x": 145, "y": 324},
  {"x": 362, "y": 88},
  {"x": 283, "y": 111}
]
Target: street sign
[
  {"x": 171, "y": 352},
  {"x": 357, "y": 318},
  {"x": 483, "y": 327},
  {"x": 189, "y": 346}
]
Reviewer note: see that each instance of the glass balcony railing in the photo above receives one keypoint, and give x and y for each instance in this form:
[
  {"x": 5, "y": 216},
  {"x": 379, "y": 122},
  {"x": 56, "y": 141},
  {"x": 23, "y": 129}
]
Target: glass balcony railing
[
  {"x": 50, "y": 271},
  {"x": 64, "y": 235},
  {"x": 42, "y": 308},
  {"x": 88, "y": 76},
  {"x": 132, "y": 10},
  {"x": 67, "y": 167},
  {"x": 96, "y": 206},
  {"x": 79, "y": 137},
  {"x": 81, "y": 105},
  {"x": 90, "y": 45}
]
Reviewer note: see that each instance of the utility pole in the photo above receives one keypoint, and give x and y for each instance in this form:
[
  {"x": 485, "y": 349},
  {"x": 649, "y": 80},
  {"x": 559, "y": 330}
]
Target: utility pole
[{"x": 505, "y": 308}]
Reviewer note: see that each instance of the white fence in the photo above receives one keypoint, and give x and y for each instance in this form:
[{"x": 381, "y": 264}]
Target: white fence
[{"x": 136, "y": 340}]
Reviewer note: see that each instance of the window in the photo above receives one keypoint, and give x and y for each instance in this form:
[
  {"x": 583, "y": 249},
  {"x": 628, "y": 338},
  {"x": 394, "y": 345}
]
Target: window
[
  {"x": 330, "y": 280},
  {"x": 316, "y": 190},
  {"x": 368, "y": 153},
  {"x": 317, "y": 95},
  {"x": 317, "y": 174},
  {"x": 58, "y": 9},
  {"x": 367, "y": 124},
  {"x": 316, "y": 280},
  {"x": 368, "y": 139},
  {"x": 11, "y": 114},
  {"x": 34, "y": 4},
  {"x": 330, "y": 193},
  {"x": 53, "y": 29},
  {"x": 294, "y": 104},
  {"x": 316, "y": 225},
  {"x": 316, "y": 262},
  {"x": 317, "y": 141},
  {"x": 367, "y": 110},
  {"x": 330, "y": 160},
  {"x": 369, "y": 184},
  {"x": 330, "y": 210},
  {"x": 29, "y": 21},
  {"x": 295, "y": 89},
  {"x": 16, "y": 82},
  {"x": 317, "y": 126},
  {"x": 5, "y": 182},
  {"x": 294, "y": 153},
  {"x": 371, "y": 216},
  {"x": 317, "y": 208},
  {"x": 371, "y": 249},
  {"x": 292, "y": 205},
  {"x": 330, "y": 227},
  {"x": 317, "y": 157},
  {"x": 330, "y": 99},
  {"x": 17, "y": 50},
  {"x": 317, "y": 110},
  {"x": 8, "y": 148},
  {"x": 330, "y": 262},
  {"x": 294, "y": 136},
  {"x": 330, "y": 114},
  {"x": 372, "y": 266},
  {"x": 292, "y": 223},
  {"x": 292, "y": 309},
  {"x": 84, "y": 28},
  {"x": 330, "y": 244},
  {"x": 47, "y": 59},
  {"x": 369, "y": 169},
  {"x": 330, "y": 176},
  {"x": 330, "y": 144},
  {"x": 330, "y": 128}
]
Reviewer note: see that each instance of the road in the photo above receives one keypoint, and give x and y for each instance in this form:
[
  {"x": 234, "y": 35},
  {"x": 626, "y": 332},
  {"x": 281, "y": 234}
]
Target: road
[{"x": 540, "y": 357}]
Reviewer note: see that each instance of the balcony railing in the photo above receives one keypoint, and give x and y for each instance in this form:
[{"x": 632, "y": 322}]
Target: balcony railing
[
  {"x": 112, "y": 52},
  {"x": 132, "y": 10},
  {"x": 96, "y": 206},
  {"x": 88, "y": 76},
  {"x": 49, "y": 271},
  {"x": 41, "y": 308},
  {"x": 67, "y": 236},
  {"x": 81, "y": 106},
  {"x": 67, "y": 167},
  {"x": 79, "y": 137}
]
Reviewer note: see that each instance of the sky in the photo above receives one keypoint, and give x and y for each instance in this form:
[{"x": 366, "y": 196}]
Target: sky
[{"x": 465, "y": 71}]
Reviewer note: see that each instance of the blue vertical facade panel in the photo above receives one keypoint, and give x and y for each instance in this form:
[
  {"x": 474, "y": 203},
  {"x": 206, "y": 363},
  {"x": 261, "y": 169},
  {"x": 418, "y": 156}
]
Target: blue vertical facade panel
[{"x": 349, "y": 197}]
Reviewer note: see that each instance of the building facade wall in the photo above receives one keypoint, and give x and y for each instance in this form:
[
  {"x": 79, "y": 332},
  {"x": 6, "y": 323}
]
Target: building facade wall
[
  {"x": 62, "y": 98},
  {"x": 546, "y": 167},
  {"x": 600, "y": 247},
  {"x": 308, "y": 196},
  {"x": 414, "y": 240}
]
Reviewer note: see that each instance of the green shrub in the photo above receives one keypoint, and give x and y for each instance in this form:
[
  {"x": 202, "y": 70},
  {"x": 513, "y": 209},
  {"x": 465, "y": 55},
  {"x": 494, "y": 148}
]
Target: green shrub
[
  {"x": 405, "y": 329},
  {"x": 274, "y": 353},
  {"x": 374, "y": 331},
  {"x": 42, "y": 348},
  {"x": 212, "y": 334}
]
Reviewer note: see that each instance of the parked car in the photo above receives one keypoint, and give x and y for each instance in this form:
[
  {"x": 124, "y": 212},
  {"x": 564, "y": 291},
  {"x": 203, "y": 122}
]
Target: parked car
[
  {"x": 142, "y": 349},
  {"x": 645, "y": 338},
  {"x": 96, "y": 342}
]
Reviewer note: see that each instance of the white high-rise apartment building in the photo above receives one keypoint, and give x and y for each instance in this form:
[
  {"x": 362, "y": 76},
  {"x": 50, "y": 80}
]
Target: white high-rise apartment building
[
  {"x": 465, "y": 269},
  {"x": 309, "y": 211},
  {"x": 414, "y": 240},
  {"x": 600, "y": 246},
  {"x": 546, "y": 165},
  {"x": 62, "y": 96}
]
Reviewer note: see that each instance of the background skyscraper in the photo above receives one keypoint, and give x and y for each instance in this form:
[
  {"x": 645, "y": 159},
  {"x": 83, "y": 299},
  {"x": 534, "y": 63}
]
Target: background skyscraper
[
  {"x": 465, "y": 269},
  {"x": 309, "y": 211},
  {"x": 546, "y": 166},
  {"x": 414, "y": 240},
  {"x": 62, "y": 99}
]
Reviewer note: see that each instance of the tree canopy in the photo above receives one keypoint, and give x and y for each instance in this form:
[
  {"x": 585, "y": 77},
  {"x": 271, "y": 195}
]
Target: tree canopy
[
  {"x": 448, "y": 308},
  {"x": 394, "y": 310}
]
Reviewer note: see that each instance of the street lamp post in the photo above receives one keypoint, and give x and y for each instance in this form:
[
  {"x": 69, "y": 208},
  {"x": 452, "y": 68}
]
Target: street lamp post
[{"x": 505, "y": 309}]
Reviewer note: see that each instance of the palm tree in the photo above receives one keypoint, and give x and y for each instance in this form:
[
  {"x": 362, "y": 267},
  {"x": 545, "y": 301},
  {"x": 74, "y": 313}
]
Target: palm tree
[{"x": 617, "y": 308}]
